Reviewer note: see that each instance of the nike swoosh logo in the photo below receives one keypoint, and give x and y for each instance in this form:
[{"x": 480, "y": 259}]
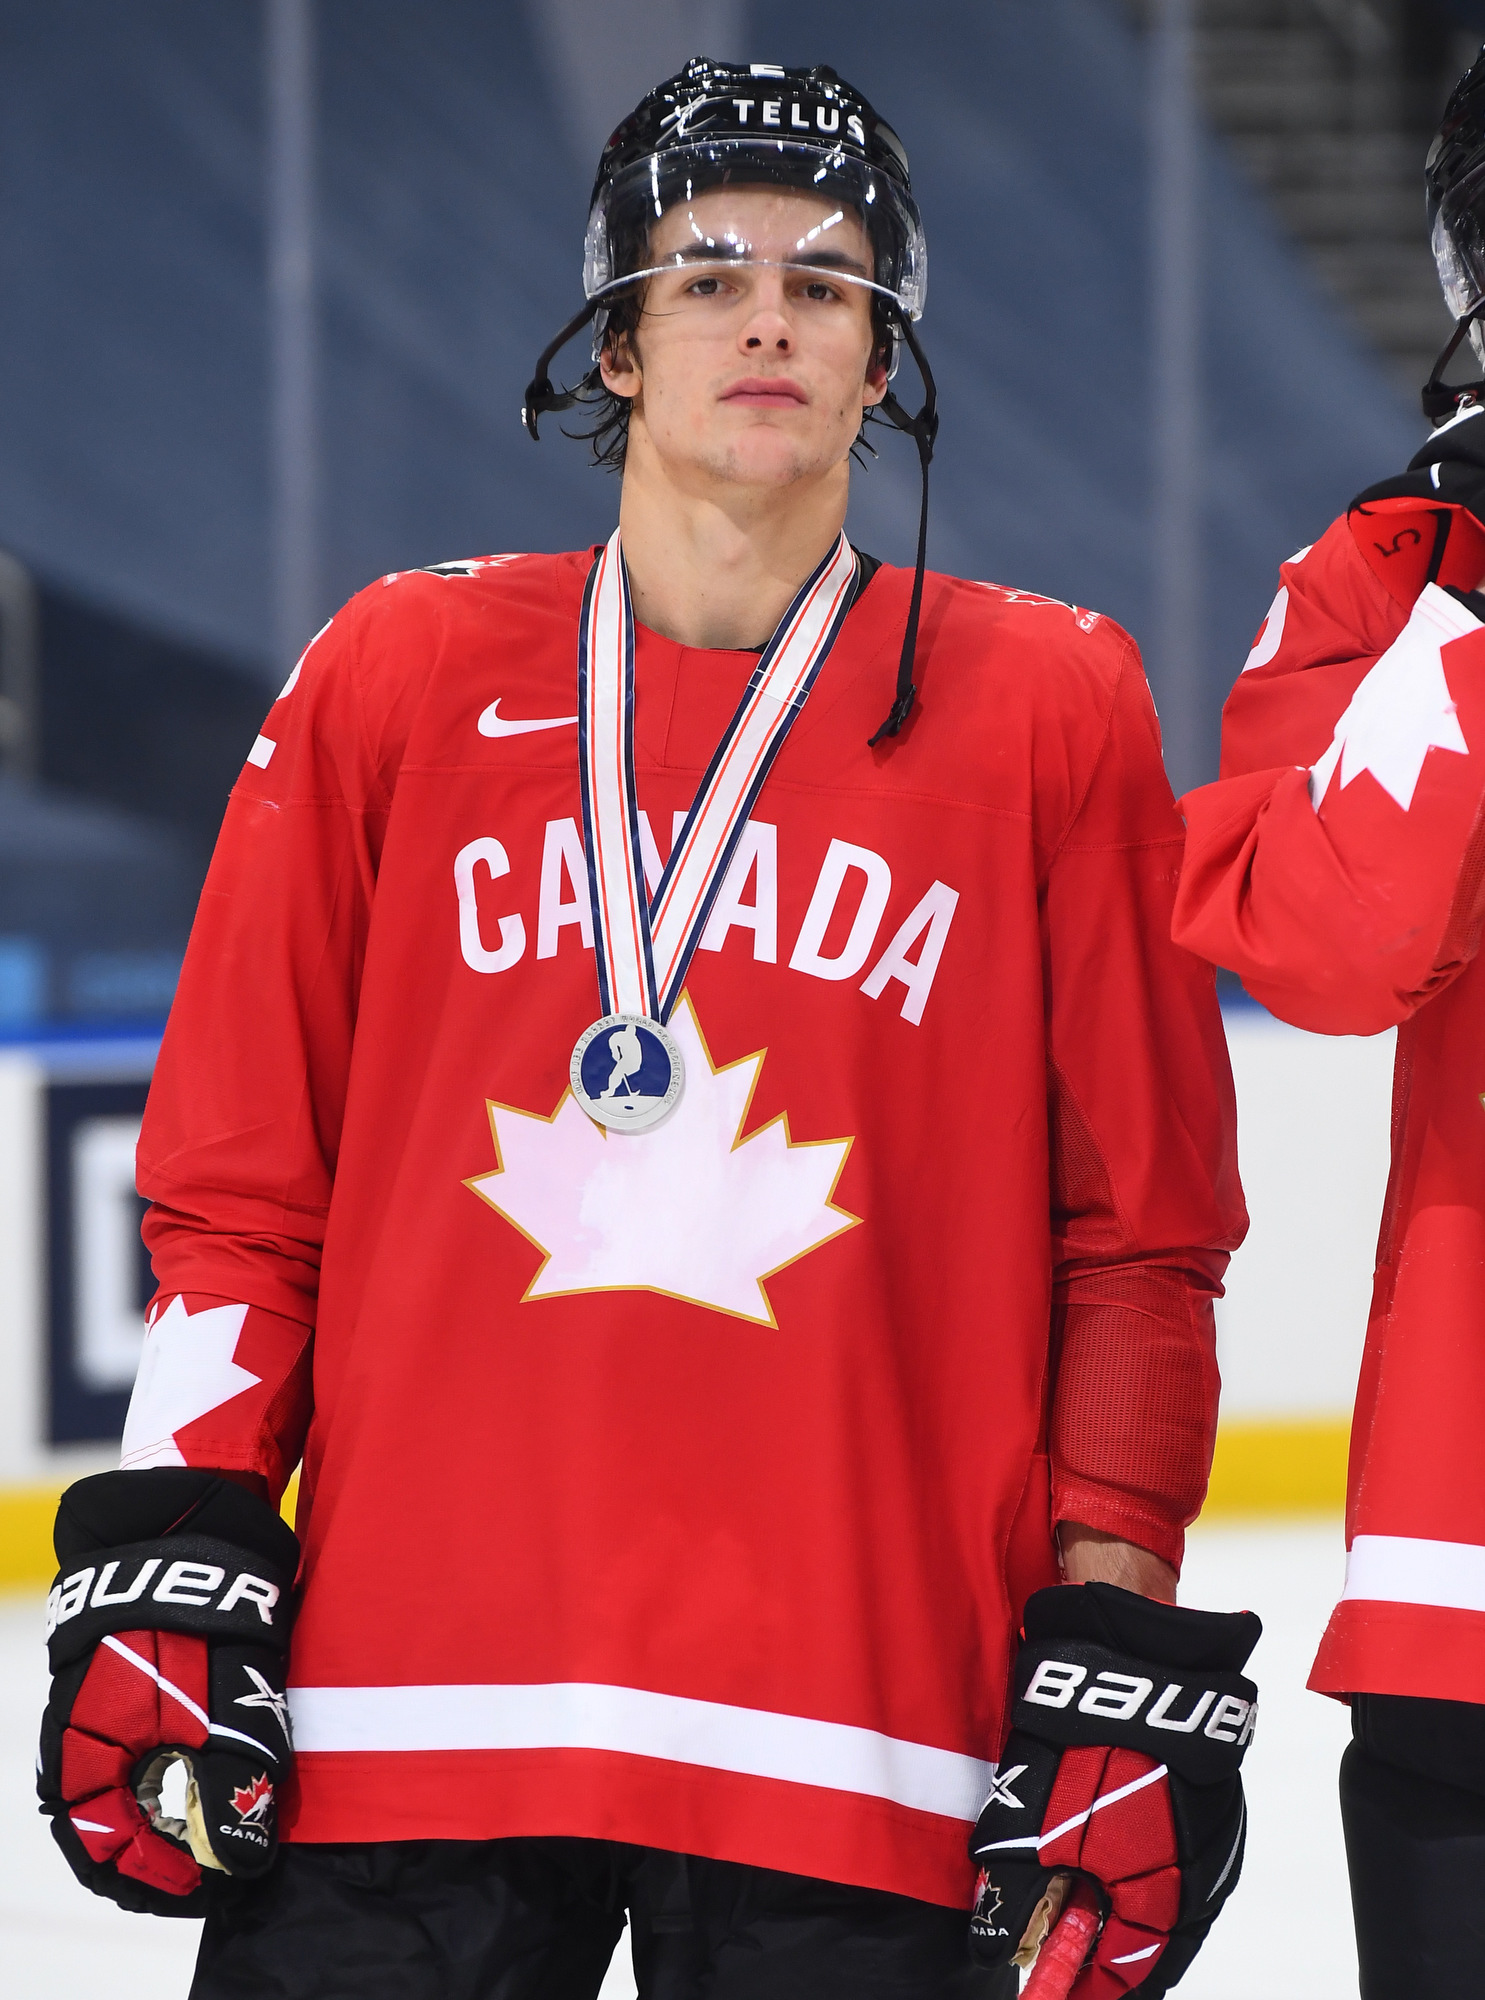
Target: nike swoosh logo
[{"x": 493, "y": 723}]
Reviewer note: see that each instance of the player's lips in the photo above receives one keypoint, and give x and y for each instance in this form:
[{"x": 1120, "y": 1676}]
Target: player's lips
[{"x": 765, "y": 392}]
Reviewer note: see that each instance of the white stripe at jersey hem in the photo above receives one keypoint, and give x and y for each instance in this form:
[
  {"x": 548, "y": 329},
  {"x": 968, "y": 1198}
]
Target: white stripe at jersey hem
[
  {"x": 1403, "y": 1569},
  {"x": 585, "y": 1715}
]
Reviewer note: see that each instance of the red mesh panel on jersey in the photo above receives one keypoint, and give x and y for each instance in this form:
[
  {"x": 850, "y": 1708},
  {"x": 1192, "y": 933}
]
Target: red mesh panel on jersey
[
  {"x": 123, "y": 1699},
  {"x": 1134, "y": 1413}
]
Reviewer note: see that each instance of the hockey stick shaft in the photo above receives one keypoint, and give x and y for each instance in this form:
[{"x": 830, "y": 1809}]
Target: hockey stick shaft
[{"x": 1060, "y": 1959}]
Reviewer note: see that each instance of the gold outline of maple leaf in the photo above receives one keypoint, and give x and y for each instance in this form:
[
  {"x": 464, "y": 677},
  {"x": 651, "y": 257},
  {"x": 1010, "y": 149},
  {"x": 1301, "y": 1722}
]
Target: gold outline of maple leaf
[{"x": 757, "y": 1057}]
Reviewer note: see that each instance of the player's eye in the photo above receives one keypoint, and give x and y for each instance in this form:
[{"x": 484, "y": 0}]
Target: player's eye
[
  {"x": 705, "y": 288},
  {"x": 818, "y": 289}
]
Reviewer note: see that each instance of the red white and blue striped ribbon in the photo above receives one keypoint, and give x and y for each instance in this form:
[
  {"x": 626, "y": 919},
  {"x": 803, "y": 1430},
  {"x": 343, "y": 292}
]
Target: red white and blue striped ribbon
[{"x": 644, "y": 950}]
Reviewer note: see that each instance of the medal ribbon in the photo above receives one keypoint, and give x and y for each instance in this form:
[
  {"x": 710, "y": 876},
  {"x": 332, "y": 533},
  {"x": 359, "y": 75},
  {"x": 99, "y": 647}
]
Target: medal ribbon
[{"x": 644, "y": 950}]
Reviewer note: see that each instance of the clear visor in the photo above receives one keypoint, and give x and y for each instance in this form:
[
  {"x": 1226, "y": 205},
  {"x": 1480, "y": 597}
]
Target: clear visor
[
  {"x": 619, "y": 250},
  {"x": 1458, "y": 242},
  {"x": 1462, "y": 290}
]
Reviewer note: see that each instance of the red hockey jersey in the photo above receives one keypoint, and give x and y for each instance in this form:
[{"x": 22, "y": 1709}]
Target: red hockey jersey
[
  {"x": 1339, "y": 867},
  {"x": 683, "y": 1487}
]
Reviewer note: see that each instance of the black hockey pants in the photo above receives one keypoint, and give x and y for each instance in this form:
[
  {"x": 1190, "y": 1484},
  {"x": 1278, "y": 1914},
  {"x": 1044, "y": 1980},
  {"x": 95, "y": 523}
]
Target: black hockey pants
[
  {"x": 1413, "y": 1806},
  {"x": 540, "y": 1920}
]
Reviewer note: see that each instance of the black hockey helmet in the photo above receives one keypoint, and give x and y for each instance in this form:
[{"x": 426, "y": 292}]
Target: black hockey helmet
[
  {"x": 715, "y": 125},
  {"x": 1454, "y": 178},
  {"x": 722, "y": 124}
]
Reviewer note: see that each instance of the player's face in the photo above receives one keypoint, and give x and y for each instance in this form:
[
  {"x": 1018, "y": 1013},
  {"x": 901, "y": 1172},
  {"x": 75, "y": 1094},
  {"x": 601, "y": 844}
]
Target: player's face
[{"x": 754, "y": 371}]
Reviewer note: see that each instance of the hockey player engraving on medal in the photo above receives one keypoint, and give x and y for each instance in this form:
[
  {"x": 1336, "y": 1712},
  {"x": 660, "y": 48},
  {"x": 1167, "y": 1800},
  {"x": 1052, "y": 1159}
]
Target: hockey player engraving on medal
[{"x": 626, "y": 1070}]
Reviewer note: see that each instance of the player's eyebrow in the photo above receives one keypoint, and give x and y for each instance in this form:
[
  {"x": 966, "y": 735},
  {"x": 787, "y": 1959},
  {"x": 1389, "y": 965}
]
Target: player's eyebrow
[
  {"x": 723, "y": 253},
  {"x": 709, "y": 252},
  {"x": 829, "y": 260}
]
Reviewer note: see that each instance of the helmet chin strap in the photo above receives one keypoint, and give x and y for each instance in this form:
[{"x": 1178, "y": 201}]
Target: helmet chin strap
[
  {"x": 922, "y": 428},
  {"x": 1440, "y": 398}
]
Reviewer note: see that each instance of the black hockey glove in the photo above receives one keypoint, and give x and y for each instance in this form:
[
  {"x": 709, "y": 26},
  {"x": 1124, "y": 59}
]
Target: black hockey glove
[
  {"x": 1129, "y": 1724},
  {"x": 168, "y": 1629}
]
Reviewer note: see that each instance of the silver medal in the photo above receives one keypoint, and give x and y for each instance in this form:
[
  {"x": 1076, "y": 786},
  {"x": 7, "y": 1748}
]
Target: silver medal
[{"x": 627, "y": 1072}]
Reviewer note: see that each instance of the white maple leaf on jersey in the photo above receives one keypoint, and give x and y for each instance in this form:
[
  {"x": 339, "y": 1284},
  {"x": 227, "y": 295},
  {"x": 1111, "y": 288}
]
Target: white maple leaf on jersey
[
  {"x": 1403, "y": 708},
  {"x": 186, "y": 1370},
  {"x": 689, "y": 1208}
]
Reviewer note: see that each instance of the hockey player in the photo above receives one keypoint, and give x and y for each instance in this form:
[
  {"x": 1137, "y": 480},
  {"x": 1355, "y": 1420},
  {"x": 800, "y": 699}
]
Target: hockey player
[
  {"x": 1337, "y": 866},
  {"x": 709, "y": 1200}
]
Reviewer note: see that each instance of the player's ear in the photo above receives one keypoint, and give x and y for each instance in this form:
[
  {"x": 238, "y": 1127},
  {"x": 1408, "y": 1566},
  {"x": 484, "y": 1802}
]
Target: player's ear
[{"x": 618, "y": 364}]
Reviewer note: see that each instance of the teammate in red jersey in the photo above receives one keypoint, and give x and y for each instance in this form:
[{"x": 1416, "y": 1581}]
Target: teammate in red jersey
[
  {"x": 1337, "y": 866},
  {"x": 712, "y": 1201}
]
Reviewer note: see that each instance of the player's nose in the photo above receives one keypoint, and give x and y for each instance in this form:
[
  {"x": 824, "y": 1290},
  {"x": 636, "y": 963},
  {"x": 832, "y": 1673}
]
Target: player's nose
[
  {"x": 770, "y": 332},
  {"x": 768, "y": 328}
]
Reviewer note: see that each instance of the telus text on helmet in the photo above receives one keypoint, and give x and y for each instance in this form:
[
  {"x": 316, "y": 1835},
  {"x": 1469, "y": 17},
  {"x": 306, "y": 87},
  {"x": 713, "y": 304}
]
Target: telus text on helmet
[{"x": 827, "y": 116}]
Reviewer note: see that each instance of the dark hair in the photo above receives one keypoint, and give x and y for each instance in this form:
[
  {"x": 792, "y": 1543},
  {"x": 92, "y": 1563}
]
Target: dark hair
[{"x": 609, "y": 435}]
